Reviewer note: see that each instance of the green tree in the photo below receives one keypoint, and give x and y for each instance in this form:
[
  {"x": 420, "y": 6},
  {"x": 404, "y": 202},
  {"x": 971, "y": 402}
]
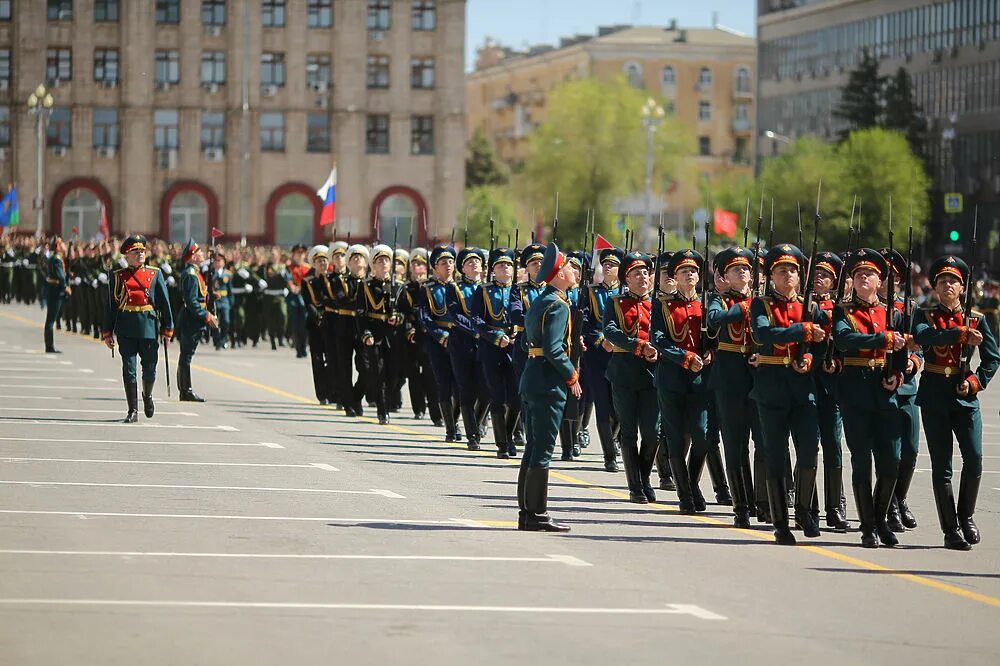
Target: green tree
[
  {"x": 862, "y": 98},
  {"x": 479, "y": 203},
  {"x": 902, "y": 112},
  {"x": 591, "y": 150},
  {"x": 482, "y": 166}
]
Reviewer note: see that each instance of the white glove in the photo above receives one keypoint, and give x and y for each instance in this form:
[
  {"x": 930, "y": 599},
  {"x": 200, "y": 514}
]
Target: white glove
[
  {"x": 93, "y": 283},
  {"x": 167, "y": 270},
  {"x": 261, "y": 284},
  {"x": 243, "y": 273},
  {"x": 204, "y": 266},
  {"x": 123, "y": 263},
  {"x": 284, "y": 292},
  {"x": 103, "y": 278},
  {"x": 171, "y": 281},
  {"x": 77, "y": 281},
  {"x": 24, "y": 262},
  {"x": 248, "y": 288}
]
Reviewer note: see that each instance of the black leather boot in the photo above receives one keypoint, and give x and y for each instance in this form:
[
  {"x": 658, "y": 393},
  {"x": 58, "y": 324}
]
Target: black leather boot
[
  {"x": 583, "y": 432},
  {"x": 185, "y": 392},
  {"x": 777, "y": 495},
  {"x": 717, "y": 472},
  {"x": 805, "y": 491},
  {"x": 761, "y": 498},
  {"x": 696, "y": 464},
  {"x": 147, "y": 399},
  {"x": 663, "y": 466},
  {"x": 511, "y": 419},
  {"x": 522, "y": 512},
  {"x": 748, "y": 485},
  {"x": 449, "y": 421},
  {"x": 866, "y": 514},
  {"x": 833, "y": 489},
  {"x": 685, "y": 503},
  {"x": 607, "y": 446},
  {"x": 498, "y": 417},
  {"x": 968, "y": 491},
  {"x": 633, "y": 477},
  {"x": 471, "y": 422},
  {"x": 944, "y": 498},
  {"x": 482, "y": 418},
  {"x": 741, "y": 502},
  {"x": 902, "y": 491},
  {"x": 456, "y": 410},
  {"x": 50, "y": 347},
  {"x": 883, "y": 497},
  {"x": 536, "y": 502},
  {"x": 566, "y": 440},
  {"x": 132, "y": 396},
  {"x": 892, "y": 518}
]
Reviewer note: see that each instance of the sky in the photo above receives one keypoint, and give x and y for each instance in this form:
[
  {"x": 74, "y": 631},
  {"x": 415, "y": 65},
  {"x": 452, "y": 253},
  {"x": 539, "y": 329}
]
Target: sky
[{"x": 516, "y": 23}]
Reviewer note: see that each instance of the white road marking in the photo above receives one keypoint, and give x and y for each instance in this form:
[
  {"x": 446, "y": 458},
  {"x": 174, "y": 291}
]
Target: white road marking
[
  {"x": 321, "y": 466},
  {"x": 33, "y": 376},
  {"x": 454, "y": 522},
  {"x": 170, "y": 486},
  {"x": 32, "y": 397},
  {"x": 85, "y": 411},
  {"x": 271, "y": 445},
  {"x": 60, "y": 386},
  {"x": 668, "y": 609},
  {"x": 122, "y": 441},
  {"x": 119, "y": 424},
  {"x": 35, "y": 369},
  {"x": 568, "y": 560}
]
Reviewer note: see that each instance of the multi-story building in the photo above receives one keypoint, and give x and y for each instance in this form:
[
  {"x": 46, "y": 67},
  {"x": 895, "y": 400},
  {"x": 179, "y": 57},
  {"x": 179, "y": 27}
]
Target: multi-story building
[
  {"x": 951, "y": 48},
  {"x": 705, "y": 76},
  {"x": 178, "y": 116}
]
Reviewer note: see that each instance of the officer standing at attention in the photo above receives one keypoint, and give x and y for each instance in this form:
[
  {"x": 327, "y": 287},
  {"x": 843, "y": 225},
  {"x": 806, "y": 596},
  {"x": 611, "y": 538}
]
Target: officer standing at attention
[
  {"x": 547, "y": 380},
  {"x": 948, "y": 395},
  {"x": 192, "y": 319},
  {"x": 137, "y": 314},
  {"x": 57, "y": 289},
  {"x": 222, "y": 292}
]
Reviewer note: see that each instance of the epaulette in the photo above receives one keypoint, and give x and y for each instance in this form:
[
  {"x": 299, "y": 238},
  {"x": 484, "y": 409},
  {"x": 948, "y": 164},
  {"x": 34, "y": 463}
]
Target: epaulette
[
  {"x": 977, "y": 313},
  {"x": 152, "y": 268}
]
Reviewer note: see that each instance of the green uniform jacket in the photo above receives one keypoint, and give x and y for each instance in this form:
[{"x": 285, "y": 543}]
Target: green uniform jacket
[
  {"x": 625, "y": 366},
  {"x": 727, "y": 316},
  {"x": 780, "y": 385},
  {"x": 138, "y": 325},
  {"x": 672, "y": 372},
  {"x": 193, "y": 292},
  {"x": 547, "y": 327},
  {"x": 861, "y": 387}
]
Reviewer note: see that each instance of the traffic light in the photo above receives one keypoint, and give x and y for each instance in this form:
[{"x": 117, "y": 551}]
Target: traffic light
[{"x": 953, "y": 235}]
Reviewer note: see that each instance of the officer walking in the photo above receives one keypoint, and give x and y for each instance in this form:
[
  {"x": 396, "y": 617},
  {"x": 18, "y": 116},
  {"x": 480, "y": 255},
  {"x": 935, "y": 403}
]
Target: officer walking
[
  {"x": 222, "y": 293},
  {"x": 57, "y": 289},
  {"x": 381, "y": 329},
  {"x": 314, "y": 291},
  {"x": 192, "y": 319},
  {"x": 432, "y": 314}
]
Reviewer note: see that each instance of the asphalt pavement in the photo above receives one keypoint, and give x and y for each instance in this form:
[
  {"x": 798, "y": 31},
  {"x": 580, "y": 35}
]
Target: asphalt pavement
[{"x": 262, "y": 528}]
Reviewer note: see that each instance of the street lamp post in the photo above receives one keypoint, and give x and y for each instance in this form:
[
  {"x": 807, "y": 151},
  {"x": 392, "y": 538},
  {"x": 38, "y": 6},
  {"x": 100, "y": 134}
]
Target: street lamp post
[
  {"x": 40, "y": 105},
  {"x": 652, "y": 116}
]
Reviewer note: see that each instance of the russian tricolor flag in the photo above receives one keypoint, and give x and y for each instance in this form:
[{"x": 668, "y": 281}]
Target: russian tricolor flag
[{"x": 328, "y": 193}]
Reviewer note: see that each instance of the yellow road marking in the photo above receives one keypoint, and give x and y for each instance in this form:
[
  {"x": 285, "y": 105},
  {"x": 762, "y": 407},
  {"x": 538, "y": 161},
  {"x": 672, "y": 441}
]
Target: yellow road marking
[{"x": 817, "y": 550}]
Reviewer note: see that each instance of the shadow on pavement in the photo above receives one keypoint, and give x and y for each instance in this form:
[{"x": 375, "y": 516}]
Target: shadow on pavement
[{"x": 912, "y": 572}]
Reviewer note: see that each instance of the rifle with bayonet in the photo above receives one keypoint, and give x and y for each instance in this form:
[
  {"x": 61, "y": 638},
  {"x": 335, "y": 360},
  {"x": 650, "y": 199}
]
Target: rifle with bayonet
[
  {"x": 810, "y": 271},
  {"x": 555, "y": 221},
  {"x": 841, "y": 280},
  {"x": 890, "y": 301},
  {"x": 755, "y": 289},
  {"x": 967, "y": 349},
  {"x": 705, "y": 270}
]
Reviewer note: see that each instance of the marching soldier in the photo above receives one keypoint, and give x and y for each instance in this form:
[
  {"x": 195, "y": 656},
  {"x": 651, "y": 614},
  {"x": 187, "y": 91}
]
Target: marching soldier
[
  {"x": 868, "y": 333},
  {"x": 277, "y": 280},
  {"x": 667, "y": 290},
  {"x": 342, "y": 298},
  {"x": 948, "y": 395},
  {"x": 432, "y": 312},
  {"x": 297, "y": 270},
  {"x": 630, "y": 371},
  {"x": 193, "y": 318},
  {"x": 522, "y": 294},
  {"x": 381, "y": 329},
  {"x": 462, "y": 347},
  {"x": 419, "y": 376},
  {"x": 57, "y": 289},
  {"x": 137, "y": 314},
  {"x": 314, "y": 290},
  {"x": 222, "y": 291},
  {"x": 548, "y": 378},
  {"x": 570, "y": 428},
  {"x": 783, "y": 387}
]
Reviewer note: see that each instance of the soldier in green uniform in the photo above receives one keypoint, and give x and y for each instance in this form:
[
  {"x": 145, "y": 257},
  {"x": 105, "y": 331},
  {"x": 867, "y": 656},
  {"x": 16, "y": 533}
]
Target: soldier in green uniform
[
  {"x": 948, "y": 396},
  {"x": 57, "y": 290},
  {"x": 138, "y": 314},
  {"x": 222, "y": 292},
  {"x": 192, "y": 319},
  {"x": 7, "y": 257},
  {"x": 547, "y": 380},
  {"x": 276, "y": 275}
]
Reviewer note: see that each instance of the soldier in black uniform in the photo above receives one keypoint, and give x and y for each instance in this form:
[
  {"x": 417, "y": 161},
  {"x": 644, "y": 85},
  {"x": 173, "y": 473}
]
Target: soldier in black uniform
[
  {"x": 381, "y": 328},
  {"x": 314, "y": 291}
]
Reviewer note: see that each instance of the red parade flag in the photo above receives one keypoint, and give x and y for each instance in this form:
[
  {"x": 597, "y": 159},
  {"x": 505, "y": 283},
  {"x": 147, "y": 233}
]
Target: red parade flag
[
  {"x": 724, "y": 223},
  {"x": 216, "y": 233}
]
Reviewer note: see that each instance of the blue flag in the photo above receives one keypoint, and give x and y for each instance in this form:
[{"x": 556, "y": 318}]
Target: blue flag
[{"x": 9, "y": 214}]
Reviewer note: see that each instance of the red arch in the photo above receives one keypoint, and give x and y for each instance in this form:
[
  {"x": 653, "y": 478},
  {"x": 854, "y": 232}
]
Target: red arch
[
  {"x": 101, "y": 192},
  {"x": 415, "y": 197},
  {"x": 272, "y": 207},
  {"x": 182, "y": 186}
]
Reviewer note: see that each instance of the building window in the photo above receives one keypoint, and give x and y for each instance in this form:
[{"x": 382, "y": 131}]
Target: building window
[
  {"x": 704, "y": 110},
  {"x": 397, "y": 216},
  {"x": 272, "y": 13},
  {"x": 742, "y": 112},
  {"x": 60, "y": 10},
  {"x": 422, "y": 135},
  {"x": 5, "y": 66},
  {"x": 106, "y": 11},
  {"x": 4, "y": 126},
  {"x": 188, "y": 217},
  {"x": 742, "y": 80},
  {"x": 378, "y": 71},
  {"x": 633, "y": 72},
  {"x": 5, "y": 10},
  {"x": 59, "y": 65},
  {"x": 318, "y": 133},
  {"x": 669, "y": 77},
  {"x": 424, "y": 16},
  {"x": 106, "y": 65},
  {"x": 317, "y": 70},
  {"x": 705, "y": 78},
  {"x": 213, "y": 129},
  {"x": 168, "y": 67},
  {"x": 379, "y": 14},
  {"x": 320, "y": 13},
  {"x": 422, "y": 73},
  {"x": 60, "y": 129},
  {"x": 377, "y": 135},
  {"x": 272, "y": 132},
  {"x": 166, "y": 135},
  {"x": 168, "y": 11},
  {"x": 742, "y": 153},
  {"x": 106, "y": 128},
  {"x": 704, "y": 146},
  {"x": 213, "y": 67},
  {"x": 272, "y": 69},
  {"x": 293, "y": 219},
  {"x": 213, "y": 12}
]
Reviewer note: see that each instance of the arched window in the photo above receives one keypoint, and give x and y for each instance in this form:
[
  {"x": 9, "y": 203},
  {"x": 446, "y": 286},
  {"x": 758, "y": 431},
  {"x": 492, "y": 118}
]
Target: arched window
[
  {"x": 742, "y": 80},
  {"x": 81, "y": 209},
  {"x": 293, "y": 220},
  {"x": 633, "y": 71},
  {"x": 669, "y": 78},
  {"x": 705, "y": 78},
  {"x": 397, "y": 216},
  {"x": 189, "y": 217}
]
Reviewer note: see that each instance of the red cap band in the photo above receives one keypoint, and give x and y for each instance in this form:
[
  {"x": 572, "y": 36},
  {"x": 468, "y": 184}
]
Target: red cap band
[{"x": 560, "y": 262}]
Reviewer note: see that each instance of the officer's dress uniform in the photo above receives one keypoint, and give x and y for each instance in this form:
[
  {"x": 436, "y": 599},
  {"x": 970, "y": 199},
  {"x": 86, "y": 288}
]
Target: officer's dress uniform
[
  {"x": 571, "y": 426},
  {"x": 380, "y": 321},
  {"x": 942, "y": 333},
  {"x": 275, "y": 307},
  {"x": 56, "y": 282},
  {"x": 314, "y": 291},
  {"x": 137, "y": 315},
  {"x": 419, "y": 375},
  {"x": 296, "y": 305},
  {"x": 544, "y": 385},
  {"x": 342, "y": 299},
  {"x": 222, "y": 298},
  {"x": 522, "y": 294},
  {"x": 242, "y": 286},
  {"x": 489, "y": 316},
  {"x": 432, "y": 313},
  {"x": 785, "y": 396},
  {"x": 463, "y": 350},
  {"x": 627, "y": 327},
  {"x": 192, "y": 320}
]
